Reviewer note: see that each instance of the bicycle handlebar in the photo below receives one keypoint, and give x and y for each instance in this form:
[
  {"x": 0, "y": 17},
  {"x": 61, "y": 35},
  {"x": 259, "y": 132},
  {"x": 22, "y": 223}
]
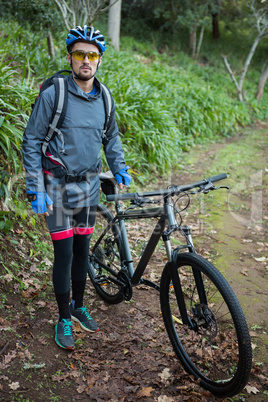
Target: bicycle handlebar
[{"x": 172, "y": 190}]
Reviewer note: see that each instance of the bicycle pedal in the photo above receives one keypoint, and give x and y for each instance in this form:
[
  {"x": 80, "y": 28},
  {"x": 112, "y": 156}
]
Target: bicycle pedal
[{"x": 102, "y": 281}]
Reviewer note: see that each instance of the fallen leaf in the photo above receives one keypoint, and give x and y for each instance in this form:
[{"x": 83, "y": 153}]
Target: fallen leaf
[
  {"x": 14, "y": 385},
  {"x": 165, "y": 375},
  {"x": 33, "y": 268},
  {"x": 260, "y": 259},
  {"x": 27, "y": 354},
  {"x": 9, "y": 357},
  {"x": 41, "y": 303},
  {"x": 251, "y": 390},
  {"x": 164, "y": 398},
  {"x": 8, "y": 277},
  {"x": 103, "y": 307},
  {"x": 252, "y": 333},
  {"x": 81, "y": 388},
  {"x": 145, "y": 392},
  {"x": 47, "y": 262}
]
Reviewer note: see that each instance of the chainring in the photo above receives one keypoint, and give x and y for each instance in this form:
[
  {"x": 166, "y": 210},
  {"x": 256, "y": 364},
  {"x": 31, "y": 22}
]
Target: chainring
[{"x": 127, "y": 288}]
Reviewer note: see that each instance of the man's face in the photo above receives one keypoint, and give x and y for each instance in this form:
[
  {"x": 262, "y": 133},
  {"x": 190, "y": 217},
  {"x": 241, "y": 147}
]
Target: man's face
[{"x": 84, "y": 69}]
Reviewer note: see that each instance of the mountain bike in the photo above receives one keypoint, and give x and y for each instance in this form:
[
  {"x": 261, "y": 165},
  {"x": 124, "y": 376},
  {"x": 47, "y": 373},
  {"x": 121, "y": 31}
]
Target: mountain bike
[{"x": 202, "y": 316}]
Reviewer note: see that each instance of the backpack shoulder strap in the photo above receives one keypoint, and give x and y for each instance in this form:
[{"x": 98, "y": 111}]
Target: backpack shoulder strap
[
  {"x": 107, "y": 99},
  {"x": 59, "y": 110}
]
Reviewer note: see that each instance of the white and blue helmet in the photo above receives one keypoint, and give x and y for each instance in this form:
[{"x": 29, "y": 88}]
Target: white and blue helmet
[{"x": 85, "y": 34}]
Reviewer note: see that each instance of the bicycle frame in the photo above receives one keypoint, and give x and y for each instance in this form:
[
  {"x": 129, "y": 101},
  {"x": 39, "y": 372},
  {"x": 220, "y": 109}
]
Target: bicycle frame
[
  {"x": 166, "y": 216},
  {"x": 188, "y": 283}
]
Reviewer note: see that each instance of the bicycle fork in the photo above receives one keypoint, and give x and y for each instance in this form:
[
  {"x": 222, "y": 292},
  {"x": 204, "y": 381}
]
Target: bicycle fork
[{"x": 173, "y": 256}]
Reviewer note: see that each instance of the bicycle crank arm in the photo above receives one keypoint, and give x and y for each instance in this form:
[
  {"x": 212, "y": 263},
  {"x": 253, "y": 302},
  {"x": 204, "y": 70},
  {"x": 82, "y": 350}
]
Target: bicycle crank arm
[
  {"x": 149, "y": 283},
  {"x": 104, "y": 266}
]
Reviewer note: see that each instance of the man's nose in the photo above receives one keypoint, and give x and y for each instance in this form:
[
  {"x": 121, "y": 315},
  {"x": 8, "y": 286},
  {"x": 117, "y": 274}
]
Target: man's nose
[{"x": 86, "y": 59}]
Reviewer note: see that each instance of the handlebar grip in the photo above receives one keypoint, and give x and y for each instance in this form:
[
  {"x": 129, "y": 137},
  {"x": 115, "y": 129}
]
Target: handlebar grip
[{"x": 218, "y": 177}]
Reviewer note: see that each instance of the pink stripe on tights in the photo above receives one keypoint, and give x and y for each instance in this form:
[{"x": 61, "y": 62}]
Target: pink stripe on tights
[{"x": 83, "y": 231}]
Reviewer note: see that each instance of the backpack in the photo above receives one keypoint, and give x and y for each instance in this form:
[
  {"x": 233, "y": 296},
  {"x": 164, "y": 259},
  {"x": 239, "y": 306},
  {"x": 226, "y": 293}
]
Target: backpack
[{"x": 60, "y": 105}]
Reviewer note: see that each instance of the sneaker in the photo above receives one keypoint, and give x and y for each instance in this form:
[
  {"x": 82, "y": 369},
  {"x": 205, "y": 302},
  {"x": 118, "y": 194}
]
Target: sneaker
[
  {"x": 82, "y": 316},
  {"x": 64, "y": 335}
]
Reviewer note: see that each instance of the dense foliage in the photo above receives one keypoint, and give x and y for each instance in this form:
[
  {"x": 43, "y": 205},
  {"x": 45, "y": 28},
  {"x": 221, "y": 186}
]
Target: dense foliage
[{"x": 165, "y": 101}]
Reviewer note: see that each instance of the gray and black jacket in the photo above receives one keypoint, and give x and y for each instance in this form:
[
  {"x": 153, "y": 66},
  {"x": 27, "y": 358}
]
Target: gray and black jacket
[{"x": 74, "y": 151}]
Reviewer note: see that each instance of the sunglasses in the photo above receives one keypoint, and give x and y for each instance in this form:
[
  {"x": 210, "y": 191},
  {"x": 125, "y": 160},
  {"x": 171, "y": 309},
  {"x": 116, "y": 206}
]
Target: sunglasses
[{"x": 81, "y": 55}]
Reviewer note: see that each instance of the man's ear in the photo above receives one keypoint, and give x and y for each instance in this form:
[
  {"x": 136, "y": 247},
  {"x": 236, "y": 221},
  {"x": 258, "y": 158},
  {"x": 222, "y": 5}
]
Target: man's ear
[
  {"x": 69, "y": 58},
  {"x": 100, "y": 60}
]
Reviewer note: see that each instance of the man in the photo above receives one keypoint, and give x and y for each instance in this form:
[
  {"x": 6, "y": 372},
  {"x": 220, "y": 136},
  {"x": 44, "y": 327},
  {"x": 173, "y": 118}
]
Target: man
[{"x": 65, "y": 176}]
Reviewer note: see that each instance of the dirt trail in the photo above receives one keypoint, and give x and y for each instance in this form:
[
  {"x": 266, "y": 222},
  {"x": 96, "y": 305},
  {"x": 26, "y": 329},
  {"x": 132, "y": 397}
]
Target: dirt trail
[
  {"x": 233, "y": 224},
  {"x": 130, "y": 358}
]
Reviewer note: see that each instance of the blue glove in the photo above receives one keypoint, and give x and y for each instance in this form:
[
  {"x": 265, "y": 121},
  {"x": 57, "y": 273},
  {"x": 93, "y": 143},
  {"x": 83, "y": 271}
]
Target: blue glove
[
  {"x": 39, "y": 201},
  {"x": 123, "y": 177}
]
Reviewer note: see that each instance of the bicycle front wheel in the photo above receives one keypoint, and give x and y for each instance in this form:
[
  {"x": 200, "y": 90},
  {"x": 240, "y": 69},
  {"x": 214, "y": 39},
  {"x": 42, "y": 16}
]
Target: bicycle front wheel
[
  {"x": 217, "y": 352},
  {"x": 105, "y": 256}
]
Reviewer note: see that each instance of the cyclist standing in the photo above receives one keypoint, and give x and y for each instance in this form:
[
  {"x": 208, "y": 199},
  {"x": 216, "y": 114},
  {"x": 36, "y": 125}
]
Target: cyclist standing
[{"x": 66, "y": 178}]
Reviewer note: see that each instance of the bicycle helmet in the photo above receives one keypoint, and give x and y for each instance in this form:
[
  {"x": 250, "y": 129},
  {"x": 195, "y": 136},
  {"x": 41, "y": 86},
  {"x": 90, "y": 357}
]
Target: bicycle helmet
[{"x": 85, "y": 34}]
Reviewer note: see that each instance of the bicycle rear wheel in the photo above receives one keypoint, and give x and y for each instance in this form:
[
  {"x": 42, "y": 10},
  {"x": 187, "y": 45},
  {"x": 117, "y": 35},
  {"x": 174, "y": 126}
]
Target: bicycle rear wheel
[
  {"x": 105, "y": 257},
  {"x": 218, "y": 351}
]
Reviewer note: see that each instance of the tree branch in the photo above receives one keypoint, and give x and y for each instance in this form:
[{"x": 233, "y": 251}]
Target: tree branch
[
  {"x": 230, "y": 71},
  {"x": 65, "y": 9},
  {"x": 247, "y": 63}
]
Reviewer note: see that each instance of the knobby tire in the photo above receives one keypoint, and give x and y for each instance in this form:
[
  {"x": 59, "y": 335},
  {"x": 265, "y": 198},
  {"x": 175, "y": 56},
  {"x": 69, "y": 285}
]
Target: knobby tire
[{"x": 218, "y": 353}]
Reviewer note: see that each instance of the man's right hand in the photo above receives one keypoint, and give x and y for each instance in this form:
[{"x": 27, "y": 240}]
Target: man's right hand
[
  {"x": 39, "y": 201},
  {"x": 123, "y": 178}
]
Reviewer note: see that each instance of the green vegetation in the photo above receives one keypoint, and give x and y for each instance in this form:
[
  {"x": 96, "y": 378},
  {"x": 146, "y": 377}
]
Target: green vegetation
[{"x": 165, "y": 101}]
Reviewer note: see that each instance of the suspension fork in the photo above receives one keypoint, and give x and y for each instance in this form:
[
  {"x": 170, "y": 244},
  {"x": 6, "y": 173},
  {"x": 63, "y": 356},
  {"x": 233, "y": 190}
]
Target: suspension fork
[
  {"x": 197, "y": 274},
  {"x": 176, "y": 282},
  {"x": 123, "y": 232},
  {"x": 126, "y": 247},
  {"x": 173, "y": 269}
]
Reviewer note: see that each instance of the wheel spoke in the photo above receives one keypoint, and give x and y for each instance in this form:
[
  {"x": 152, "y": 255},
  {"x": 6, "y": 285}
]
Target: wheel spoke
[{"x": 105, "y": 257}]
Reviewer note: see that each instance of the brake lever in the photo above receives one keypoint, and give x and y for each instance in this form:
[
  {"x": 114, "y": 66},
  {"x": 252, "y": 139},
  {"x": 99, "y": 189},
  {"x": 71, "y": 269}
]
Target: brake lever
[
  {"x": 210, "y": 187},
  {"x": 207, "y": 187},
  {"x": 226, "y": 187},
  {"x": 140, "y": 202}
]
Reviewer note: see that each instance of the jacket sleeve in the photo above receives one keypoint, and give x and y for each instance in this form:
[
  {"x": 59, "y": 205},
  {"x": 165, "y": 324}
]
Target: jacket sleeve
[
  {"x": 33, "y": 139},
  {"x": 112, "y": 145}
]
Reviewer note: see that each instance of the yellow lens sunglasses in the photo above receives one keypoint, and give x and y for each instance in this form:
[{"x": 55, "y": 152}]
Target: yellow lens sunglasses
[{"x": 81, "y": 55}]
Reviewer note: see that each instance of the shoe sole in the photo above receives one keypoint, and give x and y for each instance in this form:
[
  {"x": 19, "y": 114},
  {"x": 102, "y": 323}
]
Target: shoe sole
[
  {"x": 61, "y": 346},
  {"x": 82, "y": 326},
  {"x": 64, "y": 347}
]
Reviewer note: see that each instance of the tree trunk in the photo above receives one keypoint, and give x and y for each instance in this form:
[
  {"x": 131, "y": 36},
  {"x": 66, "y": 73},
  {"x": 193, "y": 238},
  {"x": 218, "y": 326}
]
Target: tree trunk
[
  {"x": 192, "y": 41},
  {"x": 200, "y": 41},
  {"x": 114, "y": 23},
  {"x": 262, "y": 81},
  {"x": 247, "y": 63},
  {"x": 215, "y": 26},
  {"x": 50, "y": 45}
]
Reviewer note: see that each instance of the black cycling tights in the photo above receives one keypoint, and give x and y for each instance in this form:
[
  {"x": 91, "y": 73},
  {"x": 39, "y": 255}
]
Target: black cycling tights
[
  {"x": 70, "y": 254},
  {"x": 71, "y": 259}
]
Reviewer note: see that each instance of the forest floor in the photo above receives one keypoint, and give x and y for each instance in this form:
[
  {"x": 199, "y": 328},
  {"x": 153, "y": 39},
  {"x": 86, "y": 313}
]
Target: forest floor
[{"x": 130, "y": 358}]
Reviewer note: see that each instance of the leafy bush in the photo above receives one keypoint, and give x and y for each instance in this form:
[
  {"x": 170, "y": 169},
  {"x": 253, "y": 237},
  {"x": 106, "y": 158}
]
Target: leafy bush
[
  {"x": 16, "y": 96},
  {"x": 165, "y": 102}
]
